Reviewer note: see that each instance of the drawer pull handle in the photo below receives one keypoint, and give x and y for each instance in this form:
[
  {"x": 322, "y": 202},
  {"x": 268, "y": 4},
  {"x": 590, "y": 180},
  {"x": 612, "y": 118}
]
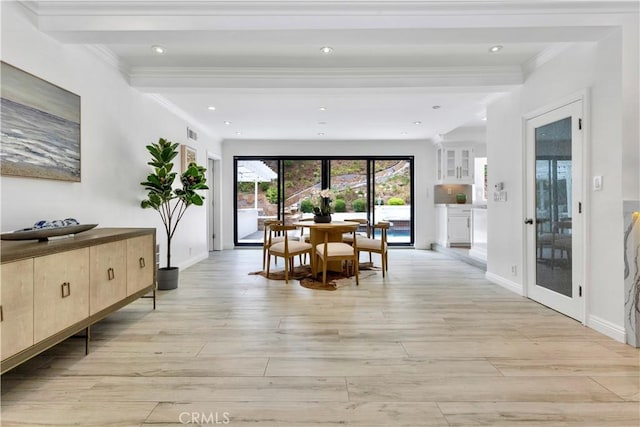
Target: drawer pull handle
[
  {"x": 1, "y": 314},
  {"x": 142, "y": 263},
  {"x": 66, "y": 289},
  {"x": 111, "y": 274}
]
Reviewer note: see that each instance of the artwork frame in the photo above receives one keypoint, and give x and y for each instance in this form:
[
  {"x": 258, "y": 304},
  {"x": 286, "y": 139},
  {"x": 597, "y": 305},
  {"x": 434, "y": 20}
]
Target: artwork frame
[
  {"x": 40, "y": 127},
  {"x": 187, "y": 155}
]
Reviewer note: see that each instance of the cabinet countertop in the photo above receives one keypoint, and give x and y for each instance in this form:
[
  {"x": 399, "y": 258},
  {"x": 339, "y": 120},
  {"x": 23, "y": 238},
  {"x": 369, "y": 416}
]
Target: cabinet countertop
[
  {"x": 13, "y": 250},
  {"x": 461, "y": 205}
]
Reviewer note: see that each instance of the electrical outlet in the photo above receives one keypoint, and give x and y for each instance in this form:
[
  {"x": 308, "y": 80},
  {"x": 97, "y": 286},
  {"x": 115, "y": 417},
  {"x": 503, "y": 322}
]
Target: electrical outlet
[
  {"x": 449, "y": 191},
  {"x": 514, "y": 270}
]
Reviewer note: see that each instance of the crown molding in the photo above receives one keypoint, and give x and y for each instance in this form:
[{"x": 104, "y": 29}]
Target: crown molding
[
  {"x": 110, "y": 58},
  {"x": 194, "y": 77},
  {"x": 178, "y": 112},
  {"x": 543, "y": 57},
  {"x": 311, "y": 7}
]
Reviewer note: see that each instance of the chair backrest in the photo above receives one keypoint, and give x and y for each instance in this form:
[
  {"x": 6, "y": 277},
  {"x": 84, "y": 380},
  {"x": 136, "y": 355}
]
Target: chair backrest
[
  {"x": 302, "y": 227},
  {"x": 279, "y": 229},
  {"x": 268, "y": 223},
  {"x": 363, "y": 222},
  {"x": 383, "y": 226}
]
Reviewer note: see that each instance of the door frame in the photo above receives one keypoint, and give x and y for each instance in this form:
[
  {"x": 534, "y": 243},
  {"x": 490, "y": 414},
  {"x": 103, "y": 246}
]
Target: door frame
[
  {"x": 584, "y": 251},
  {"x": 214, "y": 211}
]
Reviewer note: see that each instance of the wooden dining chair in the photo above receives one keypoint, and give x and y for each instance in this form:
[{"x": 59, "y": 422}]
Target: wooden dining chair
[
  {"x": 287, "y": 249},
  {"x": 364, "y": 223},
  {"x": 378, "y": 246},
  {"x": 337, "y": 251},
  {"x": 304, "y": 236},
  {"x": 265, "y": 241}
]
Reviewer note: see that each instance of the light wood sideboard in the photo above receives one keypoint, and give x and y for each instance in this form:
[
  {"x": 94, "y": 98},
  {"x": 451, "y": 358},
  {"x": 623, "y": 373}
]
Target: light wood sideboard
[{"x": 52, "y": 290}]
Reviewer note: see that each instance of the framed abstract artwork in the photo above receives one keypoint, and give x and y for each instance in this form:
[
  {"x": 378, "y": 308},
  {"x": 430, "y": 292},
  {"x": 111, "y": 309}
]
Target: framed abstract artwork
[
  {"x": 40, "y": 127},
  {"x": 187, "y": 155}
]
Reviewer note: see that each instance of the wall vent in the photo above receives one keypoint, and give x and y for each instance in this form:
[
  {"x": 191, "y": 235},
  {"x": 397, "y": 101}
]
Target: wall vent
[{"x": 191, "y": 134}]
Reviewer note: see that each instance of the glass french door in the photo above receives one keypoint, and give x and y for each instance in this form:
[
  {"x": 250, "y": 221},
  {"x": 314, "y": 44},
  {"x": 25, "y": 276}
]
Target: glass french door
[{"x": 554, "y": 210}]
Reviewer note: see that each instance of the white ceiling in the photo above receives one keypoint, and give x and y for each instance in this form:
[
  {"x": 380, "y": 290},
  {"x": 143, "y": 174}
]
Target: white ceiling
[{"x": 259, "y": 62}]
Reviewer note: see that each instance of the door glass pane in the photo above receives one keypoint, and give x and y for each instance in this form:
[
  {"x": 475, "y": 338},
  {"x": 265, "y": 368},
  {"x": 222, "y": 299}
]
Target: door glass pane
[
  {"x": 301, "y": 179},
  {"x": 256, "y": 198},
  {"x": 451, "y": 163},
  {"x": 349, "y": 183},
  {"x": 553, "y": 206},
  {"x": 392, "y": 190}
]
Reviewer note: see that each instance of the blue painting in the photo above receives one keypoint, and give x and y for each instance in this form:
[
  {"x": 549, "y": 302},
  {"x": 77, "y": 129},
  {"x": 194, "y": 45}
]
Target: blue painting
[{"x": 39, "y": 128}]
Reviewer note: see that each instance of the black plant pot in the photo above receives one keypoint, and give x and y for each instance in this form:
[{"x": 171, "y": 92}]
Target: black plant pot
[
  {"x": 168, "y": 278},
  {"x": 322, "y": 218}
]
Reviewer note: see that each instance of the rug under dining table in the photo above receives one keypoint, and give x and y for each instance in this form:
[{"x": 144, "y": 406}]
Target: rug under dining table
[{"x": 335, "y": 279}]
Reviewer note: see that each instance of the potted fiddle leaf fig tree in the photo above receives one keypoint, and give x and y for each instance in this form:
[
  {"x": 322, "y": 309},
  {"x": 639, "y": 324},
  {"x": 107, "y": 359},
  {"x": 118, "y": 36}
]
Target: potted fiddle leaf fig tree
[{"x": 171, "y": 203}]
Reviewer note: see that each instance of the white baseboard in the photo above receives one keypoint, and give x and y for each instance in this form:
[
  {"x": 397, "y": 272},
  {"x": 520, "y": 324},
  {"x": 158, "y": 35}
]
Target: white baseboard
[
  {"x": 193, "y": 260},
  {"x": 507, "y": 284},
  {"x": 478, "y": 254},
  {"x": 607, "y": 328}
]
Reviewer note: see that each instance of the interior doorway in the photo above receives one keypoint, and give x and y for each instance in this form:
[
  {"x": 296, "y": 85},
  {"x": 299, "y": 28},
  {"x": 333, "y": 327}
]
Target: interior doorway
[{"x": 554, "y": 221}]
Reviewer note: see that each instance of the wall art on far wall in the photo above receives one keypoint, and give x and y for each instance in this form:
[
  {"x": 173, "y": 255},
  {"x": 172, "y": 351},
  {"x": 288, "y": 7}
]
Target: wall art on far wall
[
  {"x": 40, "y": 127},
  {"x": 187, "y": 155}
]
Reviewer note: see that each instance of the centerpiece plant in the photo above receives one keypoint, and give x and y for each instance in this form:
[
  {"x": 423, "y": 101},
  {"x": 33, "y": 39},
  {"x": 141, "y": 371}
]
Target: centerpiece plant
[
  {"x": 171, "y": 203},
  {"x": 322, "y": 211}
]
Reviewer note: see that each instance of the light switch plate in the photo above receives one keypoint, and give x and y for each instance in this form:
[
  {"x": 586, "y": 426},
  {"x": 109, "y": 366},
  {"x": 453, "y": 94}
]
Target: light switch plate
[{"x": 597, "y": 183}]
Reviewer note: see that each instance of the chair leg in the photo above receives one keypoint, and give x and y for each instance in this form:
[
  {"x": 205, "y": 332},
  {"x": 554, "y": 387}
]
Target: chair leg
[
  {"x": 324, "y": 271},
  {"x": 264, "y": 256},
  {"x": 268, "y": 264},
  {"x": 357, "y": 268},
  {"x": 286, "y": 270}
]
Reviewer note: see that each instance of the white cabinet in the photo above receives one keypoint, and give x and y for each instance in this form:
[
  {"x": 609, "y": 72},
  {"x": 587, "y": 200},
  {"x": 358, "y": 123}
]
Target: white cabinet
[
  {"x": 454, "y": 165},
  {"x": 459, "y": 226},
  {"x": 453, "y": 225}
]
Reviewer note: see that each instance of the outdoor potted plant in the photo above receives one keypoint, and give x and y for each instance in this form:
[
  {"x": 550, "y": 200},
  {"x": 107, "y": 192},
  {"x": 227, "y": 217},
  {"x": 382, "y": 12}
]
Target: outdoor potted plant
[{"x": 171, "y": 203}]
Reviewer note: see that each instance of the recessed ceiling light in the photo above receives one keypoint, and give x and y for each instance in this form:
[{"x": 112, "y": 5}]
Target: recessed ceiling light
[
  {"x": 322, "y": 108},
  {"x": 320, "y": 133},
  {"x": 326, "y": 50},
  {"x": 436, "y": 107},
  {"x": 496, "y": 48},
  {"x": 211, "y": 107},
  {"x": 227, "y": 122},
  {"x": 238, "y": 133},
  {"x": 484, "y": 119},
  {"x": 404, "y": 133},
  {"x": 158, "y": 49},
  {"x": 417, "y": 122}
]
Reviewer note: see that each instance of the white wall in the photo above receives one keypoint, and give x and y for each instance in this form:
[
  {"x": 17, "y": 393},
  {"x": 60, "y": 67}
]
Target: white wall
[
  {"x": 598, "y": 68},
  {"x": 424, "y": 173},
  {"x": 117, "y": 123}
]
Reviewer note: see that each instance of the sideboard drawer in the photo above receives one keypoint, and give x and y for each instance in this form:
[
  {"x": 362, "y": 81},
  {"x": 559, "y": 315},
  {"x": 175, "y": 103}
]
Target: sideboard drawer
[
  {"x": 61, "y": 291},
  {"x": 16, "y": 307},
  {"x": 141, "y": 263}
]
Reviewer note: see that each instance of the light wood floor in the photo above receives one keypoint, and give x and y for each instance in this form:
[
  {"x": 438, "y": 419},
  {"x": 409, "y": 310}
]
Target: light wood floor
[{"x": 433, "y": 344}]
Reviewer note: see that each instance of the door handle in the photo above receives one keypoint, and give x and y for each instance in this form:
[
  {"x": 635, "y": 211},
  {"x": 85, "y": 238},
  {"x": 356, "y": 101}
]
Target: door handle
[{"x": 528, "y": 221}]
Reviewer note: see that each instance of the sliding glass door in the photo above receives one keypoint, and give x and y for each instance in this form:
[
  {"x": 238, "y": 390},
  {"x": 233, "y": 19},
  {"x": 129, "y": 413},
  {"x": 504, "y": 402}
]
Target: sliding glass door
[
  {"x": 375, "y": 188},
  {"x": 393, "y": 191}
]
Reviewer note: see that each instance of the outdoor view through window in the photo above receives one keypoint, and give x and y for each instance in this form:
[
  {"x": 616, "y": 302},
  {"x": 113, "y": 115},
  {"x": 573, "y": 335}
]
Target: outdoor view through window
[{"x": 379, "y": 189}]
